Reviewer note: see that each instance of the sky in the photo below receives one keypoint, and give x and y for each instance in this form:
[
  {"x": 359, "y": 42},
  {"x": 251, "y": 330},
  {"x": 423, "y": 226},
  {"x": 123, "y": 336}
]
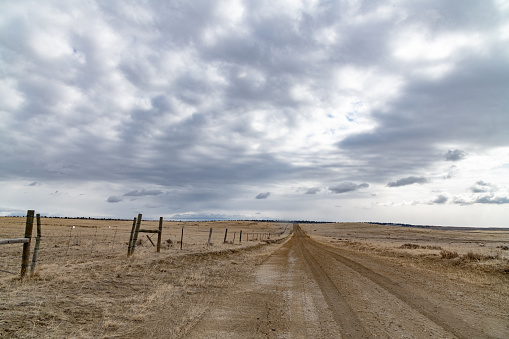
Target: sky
[{"x": 387, "y": 111}]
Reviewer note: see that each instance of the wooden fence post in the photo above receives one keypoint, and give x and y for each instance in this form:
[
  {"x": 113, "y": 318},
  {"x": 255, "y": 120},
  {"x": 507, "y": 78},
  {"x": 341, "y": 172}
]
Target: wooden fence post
[
  {"x": 93, "y": 240},
  {"x": 210, "y": 235},
  {"x": 159, "y": 235},
  {"x": 114, "y": 236},
  {"x": 150, "y": 241},
  {"x": 131, "y": 238},
  {"x": 26, "y": 246},
  {"x": 234, "y": 234},
  {"x": 182, "y": 237},
  {"x": 136, "y": 231},
  {"x": 225, "y": 234},
  {"x": 240, "y": 237},
  {"x": 37, "y": 244}
]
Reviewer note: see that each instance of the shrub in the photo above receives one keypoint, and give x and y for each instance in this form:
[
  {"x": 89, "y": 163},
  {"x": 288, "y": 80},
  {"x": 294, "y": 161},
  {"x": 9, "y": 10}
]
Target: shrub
[
  {"x": 410, "y": 246},
  {"x": 448, "y": 254},
  {"x": 473, "y": 256},
  {"x": 415, "y": 246}
]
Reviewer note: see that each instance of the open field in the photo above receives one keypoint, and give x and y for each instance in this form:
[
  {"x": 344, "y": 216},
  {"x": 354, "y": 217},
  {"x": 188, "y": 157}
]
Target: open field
[
  {"x": 471, "y": 250},
  {"x": 85, "y": 286},
  {"x": 345, "y": 280}
]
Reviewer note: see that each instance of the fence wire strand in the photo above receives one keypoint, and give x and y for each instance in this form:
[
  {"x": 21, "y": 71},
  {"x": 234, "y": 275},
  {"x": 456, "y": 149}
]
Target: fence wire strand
[{"x": 77, "y": 242}]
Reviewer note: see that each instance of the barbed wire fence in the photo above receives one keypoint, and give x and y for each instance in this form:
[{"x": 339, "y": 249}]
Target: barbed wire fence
[{"x": 79, "y": 241}]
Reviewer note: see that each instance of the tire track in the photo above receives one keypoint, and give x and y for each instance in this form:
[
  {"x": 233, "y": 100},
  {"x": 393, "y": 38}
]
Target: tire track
[
  {"x": 345, "y": 317},
  {"x": 306, "y": 289},
  {"x": 279, "y": 299},
  {"x": 434, "y": 312}
]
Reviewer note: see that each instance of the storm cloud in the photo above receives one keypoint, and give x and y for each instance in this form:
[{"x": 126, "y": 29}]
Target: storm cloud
[{"x": 194, "y": 108}]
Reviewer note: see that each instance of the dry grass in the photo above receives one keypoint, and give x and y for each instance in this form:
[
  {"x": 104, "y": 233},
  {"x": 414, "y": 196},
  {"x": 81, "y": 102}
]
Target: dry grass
[
  {"x": 471, "y": 256},
  {"x": 476, "y": 256},
  {"x": 416, "y": 246},
  {"x": 445, "y": 254},
  {"x": 86, "y": 287}
]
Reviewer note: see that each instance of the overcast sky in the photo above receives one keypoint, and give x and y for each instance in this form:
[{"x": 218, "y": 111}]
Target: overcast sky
[{"x": 390, "y": 111}]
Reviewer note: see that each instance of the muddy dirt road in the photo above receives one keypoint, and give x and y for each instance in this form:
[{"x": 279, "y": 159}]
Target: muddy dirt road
[{"x": 307, "y": 289}]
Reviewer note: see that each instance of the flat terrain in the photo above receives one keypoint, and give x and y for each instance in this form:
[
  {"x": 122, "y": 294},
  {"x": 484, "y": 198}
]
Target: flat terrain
[{"x": 344, "y": 280}]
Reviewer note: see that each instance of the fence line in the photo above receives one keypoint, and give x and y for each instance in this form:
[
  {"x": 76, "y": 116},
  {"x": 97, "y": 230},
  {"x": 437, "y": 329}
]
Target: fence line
[
  {"x": 26, "y": 240},
  {"x": 65, "y": 242}
]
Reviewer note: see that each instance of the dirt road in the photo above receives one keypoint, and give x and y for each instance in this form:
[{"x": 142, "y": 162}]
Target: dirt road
[{"x": 307, "y": 289}]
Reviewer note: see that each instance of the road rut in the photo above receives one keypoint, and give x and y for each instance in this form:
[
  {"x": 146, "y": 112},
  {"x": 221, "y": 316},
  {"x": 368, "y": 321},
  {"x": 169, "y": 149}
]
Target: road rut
[{"x": 308, "y": 289}]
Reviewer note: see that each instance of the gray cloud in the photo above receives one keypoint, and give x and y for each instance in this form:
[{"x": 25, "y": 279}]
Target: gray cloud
[
  {"x": 263, "y": 195},
  {"x": 487, "y": 199},
  {"x": 206, "y": 216},
  {"x": 491, "y": 199},
  {"x": 483, "y": 187},
  {"x": 203, "y": 103},
  {"x": 345, "y": 187},
  {"x": 408, "y": 181},
  {"x": 113, "y": 199},
  {"x": 313, "y": 190},
  {"x": 461, "y": 201},
  {"x": 142, "y": 193},
  {"x": 455, "y": 155},
  {"x": 434, "y": 113},
  {"x": 440, "y": 199}
]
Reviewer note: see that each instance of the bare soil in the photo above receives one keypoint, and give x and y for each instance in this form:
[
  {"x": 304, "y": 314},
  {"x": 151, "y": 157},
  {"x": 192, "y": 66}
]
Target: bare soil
[
  {"x": 343, "y": 280},
  {"x": 310, "y": 289}
]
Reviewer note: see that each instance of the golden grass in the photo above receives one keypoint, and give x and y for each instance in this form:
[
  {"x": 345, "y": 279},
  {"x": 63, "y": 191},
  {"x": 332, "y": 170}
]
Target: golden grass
[
  {"x": 476, "y": 257},
  {"x": 86, "y": 287},
  {"x": 445, "y": 254}
]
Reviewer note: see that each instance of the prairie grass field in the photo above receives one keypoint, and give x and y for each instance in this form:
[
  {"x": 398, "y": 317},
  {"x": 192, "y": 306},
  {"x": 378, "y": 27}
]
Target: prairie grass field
[
  {"x": 85, "y": 286},
  {"x": 472, "y": 255}
]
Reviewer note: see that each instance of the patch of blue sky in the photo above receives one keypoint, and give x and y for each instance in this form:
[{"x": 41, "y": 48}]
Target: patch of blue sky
[{"x": 350, "y": 116}]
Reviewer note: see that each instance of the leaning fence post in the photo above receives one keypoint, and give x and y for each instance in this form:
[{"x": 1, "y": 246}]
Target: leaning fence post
[
  {"x": 37, "y": 244},
  {"x": 135, "y": 237},
  {"x": 131, "y": 238},
  {"x": 225, "y": 234},
  {"x": 159, "y": 235},
  {"x": 26, "y": 246},
  {"x": 210, "y": 235}
]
